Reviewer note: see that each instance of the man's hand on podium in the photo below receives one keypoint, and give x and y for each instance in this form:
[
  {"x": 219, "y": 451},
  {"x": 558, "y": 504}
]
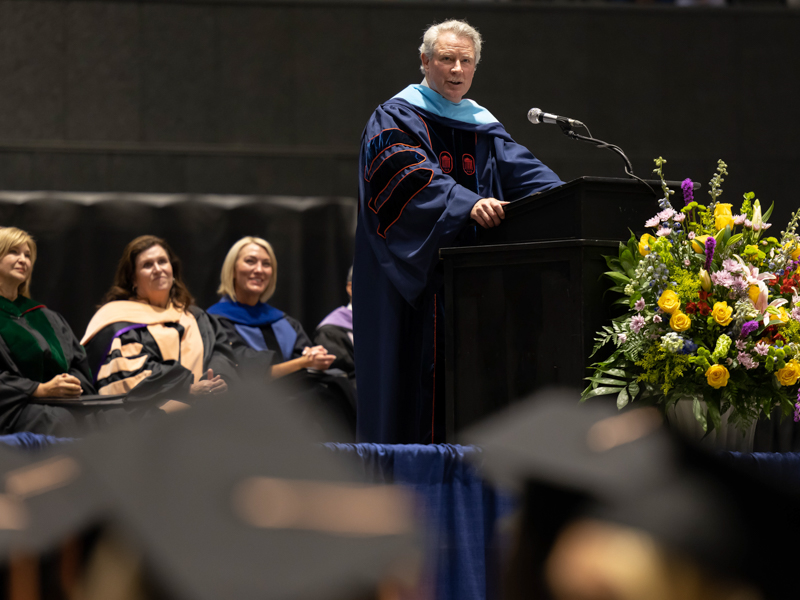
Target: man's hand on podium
[{"x": 488, "y": 212}]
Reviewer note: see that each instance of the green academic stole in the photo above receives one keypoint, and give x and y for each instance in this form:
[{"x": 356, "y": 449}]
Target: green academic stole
[{"x": 29, "y": 357}]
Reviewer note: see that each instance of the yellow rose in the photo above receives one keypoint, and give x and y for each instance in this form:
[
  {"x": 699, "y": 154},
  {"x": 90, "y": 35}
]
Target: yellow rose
[
  {"x": 645, "y": 244},
  {"x": 723, "y": 221},
  {"x": 680, "y": 321},
  {"x": 717, "y": 376},
  {"x": 722, "y": 313},
  {"x": 789, "y": 374},
  {"x": 699, "y": 243},
  {"x": 669, "y": 302},
  {"x": 722, "y": 209}
]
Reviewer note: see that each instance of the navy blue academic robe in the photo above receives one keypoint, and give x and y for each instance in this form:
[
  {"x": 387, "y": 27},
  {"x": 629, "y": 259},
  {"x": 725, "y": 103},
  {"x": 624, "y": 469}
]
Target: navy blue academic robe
[{"x": 421, "y": 172}]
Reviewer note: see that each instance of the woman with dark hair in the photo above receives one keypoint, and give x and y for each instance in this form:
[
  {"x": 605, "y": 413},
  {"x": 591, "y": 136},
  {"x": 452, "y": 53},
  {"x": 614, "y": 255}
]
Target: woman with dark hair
[
  {"x": 148, "y": 339},
  {"x": 40, "y": 357}
]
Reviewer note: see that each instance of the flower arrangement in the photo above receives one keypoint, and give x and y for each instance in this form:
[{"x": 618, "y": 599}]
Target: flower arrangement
[{"x": 712, "y": 311}]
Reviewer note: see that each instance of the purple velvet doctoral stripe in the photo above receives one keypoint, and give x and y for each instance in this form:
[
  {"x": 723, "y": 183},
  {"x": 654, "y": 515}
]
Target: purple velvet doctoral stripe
[
  {"x": 341, "y": 317},
  {"x": 122, "y": 331}
]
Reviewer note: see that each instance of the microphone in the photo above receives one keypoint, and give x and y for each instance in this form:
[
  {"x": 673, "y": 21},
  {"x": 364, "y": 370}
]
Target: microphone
[{"x": 537, "y": 116}]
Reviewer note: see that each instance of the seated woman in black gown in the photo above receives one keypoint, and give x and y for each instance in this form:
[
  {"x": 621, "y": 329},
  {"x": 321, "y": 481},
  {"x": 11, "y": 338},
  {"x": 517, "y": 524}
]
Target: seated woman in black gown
[
  {"x": 248, "y": 279},
  {"x": 148, "y": 339},
  {"x": 40, "y": 357},
  {"x": 269, "y": 343}
]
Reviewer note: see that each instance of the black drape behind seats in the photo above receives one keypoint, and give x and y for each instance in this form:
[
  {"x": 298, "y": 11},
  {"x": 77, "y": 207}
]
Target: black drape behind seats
[{"x": 81, "y": 237}]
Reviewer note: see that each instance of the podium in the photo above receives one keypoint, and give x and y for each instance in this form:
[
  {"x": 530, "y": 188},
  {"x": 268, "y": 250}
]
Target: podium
[{"x": 523, "y": 306}]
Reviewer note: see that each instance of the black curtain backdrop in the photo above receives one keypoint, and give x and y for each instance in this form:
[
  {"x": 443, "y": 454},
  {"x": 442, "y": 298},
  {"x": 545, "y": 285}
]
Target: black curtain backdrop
[
  {"x": 80, "y": 238},
  {"x": 269, "y": 98}
]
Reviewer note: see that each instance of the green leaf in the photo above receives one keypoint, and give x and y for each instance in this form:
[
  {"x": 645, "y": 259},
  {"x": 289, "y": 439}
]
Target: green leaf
[
  {"x": 633, "y": 389},
  {"x": 727, "y": 235},
  {"x": 603, "y": 391},
  {"x": 765, "y": 216},
  {"x": 618, "y": 277},
  {"x": 627, "y": 261},
  {"x": 697, "y": 409},
  {"x": 713, "y": 414},
  {"x": 622, "y": 399},
  {"x": 719, "y": 235},
  {"x": 605, "y": 380},
  {"x": 623, "y": 301},
  {"x": 734, "y": 238},
  {"x": 616, "y": 373}
]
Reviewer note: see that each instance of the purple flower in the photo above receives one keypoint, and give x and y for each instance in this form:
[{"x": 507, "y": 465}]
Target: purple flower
[
  {"x": 686, "y": 262},
  {"x": 688, "y": 191},
  {"x": 797, "y": 409},
  {"x": 795, "y": 314},
  {"x": 689, "y": 347},
  {"x": 747, "y": 361},
  {"x": 637, "y": 322},
  {"x": 748, "y": 328},
  {"x": 740, "y": 285},
  {"x": 657, "y": 319},
  {"x": 762, "y": 349},
  {"x": 639, "y": 305},
  {"x": 622, "y": 338},
  {"x": 740, "y": 345},
  {"x": 739, "y": 219},
  {"x": 652, "y": 222},
  {"x": 711, "y": 243},
  {"x": 664, "y": 231},
  {"x": 679, "y": 218},
  {"x": 691, "y": 235}
]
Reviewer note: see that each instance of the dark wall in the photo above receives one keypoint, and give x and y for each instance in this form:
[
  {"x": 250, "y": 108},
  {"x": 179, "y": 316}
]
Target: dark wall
[{"x": 271, "y": 97}]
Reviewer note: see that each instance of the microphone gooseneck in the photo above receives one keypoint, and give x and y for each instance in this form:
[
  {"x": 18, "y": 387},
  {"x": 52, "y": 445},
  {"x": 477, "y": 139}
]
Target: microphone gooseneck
[{"x": 536, "y": 116}]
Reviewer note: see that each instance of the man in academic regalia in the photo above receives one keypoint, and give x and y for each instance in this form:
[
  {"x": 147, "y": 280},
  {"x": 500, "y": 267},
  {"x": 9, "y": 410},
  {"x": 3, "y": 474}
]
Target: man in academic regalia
[{"x": 430, "y": 161}]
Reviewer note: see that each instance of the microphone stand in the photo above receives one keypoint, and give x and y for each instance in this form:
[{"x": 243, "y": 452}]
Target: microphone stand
[{"x": 566, "y": 128}]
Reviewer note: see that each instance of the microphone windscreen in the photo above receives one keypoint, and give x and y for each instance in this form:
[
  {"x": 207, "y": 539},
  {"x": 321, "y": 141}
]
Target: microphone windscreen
[{"x": 534, "y": 116}]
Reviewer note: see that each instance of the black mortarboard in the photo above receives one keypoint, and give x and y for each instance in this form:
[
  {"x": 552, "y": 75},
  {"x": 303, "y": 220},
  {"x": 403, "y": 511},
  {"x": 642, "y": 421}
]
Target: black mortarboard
[
  {"x": 235, "y": 500},
  {"x": 626, "y": 467},
  {"x": 590, "y": 448},
  {"x": 45, "y": 497}
]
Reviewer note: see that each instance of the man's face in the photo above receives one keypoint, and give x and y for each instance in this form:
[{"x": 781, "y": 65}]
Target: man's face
[{"x": 452, "y": 66}]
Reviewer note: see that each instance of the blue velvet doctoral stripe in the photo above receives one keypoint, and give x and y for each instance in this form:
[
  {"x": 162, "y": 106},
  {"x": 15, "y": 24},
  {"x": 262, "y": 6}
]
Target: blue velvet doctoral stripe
[{"x": 243, "y": 314}]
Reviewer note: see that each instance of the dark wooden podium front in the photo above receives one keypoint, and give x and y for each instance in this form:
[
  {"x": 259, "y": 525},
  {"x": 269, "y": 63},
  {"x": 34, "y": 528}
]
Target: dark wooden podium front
[{"x": 523, "y": 306}]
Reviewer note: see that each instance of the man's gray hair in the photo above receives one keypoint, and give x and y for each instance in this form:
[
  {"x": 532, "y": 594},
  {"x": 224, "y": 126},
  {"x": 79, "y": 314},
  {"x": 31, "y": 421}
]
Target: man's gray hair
[{"x": 459, "y": 28}]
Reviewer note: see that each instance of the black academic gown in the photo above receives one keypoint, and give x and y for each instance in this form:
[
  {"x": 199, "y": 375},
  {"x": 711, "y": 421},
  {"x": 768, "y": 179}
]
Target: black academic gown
[
  {"x": 168, "y": 380},
  {"x": 328, "y": 401},
  {"x": 17, "y": 413},
  {"x": 337, "y": 341}
]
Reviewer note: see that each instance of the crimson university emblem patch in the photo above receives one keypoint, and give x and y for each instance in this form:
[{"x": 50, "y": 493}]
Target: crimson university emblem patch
[
  {"x": 468, "y": 164},
  {"x": 446, "y": 162}
]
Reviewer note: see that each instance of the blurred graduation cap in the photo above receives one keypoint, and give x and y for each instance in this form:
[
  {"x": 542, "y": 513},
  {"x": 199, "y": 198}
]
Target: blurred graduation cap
[
  {"x": 627, "y": 468},
  {"x": 234, "y": 499},
  {"x": 590, "y": 448}
]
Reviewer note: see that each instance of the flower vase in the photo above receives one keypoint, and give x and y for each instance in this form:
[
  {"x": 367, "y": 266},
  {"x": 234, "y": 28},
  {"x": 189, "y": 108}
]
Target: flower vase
[{"x": 727, "y": 436}]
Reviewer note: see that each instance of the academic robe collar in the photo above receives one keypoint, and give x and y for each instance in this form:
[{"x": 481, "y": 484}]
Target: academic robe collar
[
  {"x": 244, "y": 314},
  {"x": 466, "y": 111}
]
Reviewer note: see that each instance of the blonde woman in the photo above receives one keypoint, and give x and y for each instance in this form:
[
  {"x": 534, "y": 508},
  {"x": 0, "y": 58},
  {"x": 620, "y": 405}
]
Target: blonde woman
[
  {"x": 40, "y": 357},
  {"x": 256, "y": 329}
]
